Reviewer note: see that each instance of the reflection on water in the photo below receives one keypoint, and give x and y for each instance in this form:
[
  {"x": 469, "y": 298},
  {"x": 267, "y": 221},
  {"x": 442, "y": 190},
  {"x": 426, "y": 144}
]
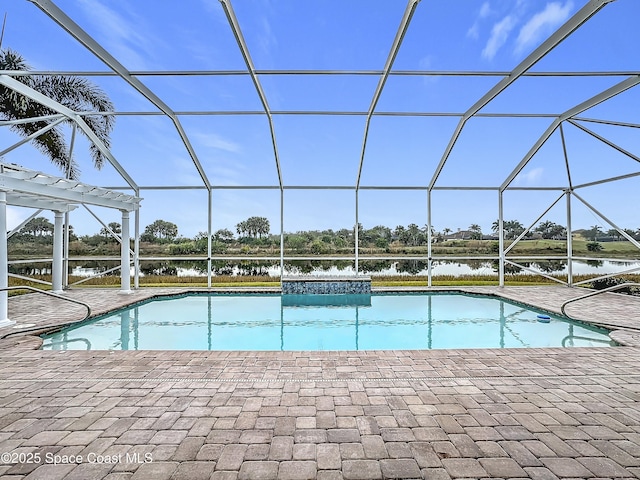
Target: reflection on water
[
  {"x": 377, "y": 322},
  {"x": 342, "y": 267}
]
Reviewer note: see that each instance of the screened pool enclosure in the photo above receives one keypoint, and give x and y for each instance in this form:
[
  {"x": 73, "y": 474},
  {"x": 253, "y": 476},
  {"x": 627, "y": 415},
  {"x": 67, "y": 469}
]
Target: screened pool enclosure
[{"x": 329, "y": 114}]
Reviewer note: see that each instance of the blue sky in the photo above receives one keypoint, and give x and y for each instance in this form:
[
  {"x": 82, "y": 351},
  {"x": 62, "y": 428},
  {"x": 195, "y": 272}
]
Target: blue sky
[{"x": 320, "y": 150}]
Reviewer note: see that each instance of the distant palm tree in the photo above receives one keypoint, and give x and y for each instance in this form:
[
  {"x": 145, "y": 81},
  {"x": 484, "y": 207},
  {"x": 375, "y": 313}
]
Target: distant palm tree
[
  {"x": 476, "y": 231},
  {"x": 75, "y": 93}
]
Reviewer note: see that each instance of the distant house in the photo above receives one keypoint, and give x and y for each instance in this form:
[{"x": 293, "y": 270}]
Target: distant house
[{"x": 459, "y": 235}]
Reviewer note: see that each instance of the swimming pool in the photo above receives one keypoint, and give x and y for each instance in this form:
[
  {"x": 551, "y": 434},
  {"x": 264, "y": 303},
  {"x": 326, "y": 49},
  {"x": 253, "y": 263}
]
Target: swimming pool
[{"x": 325, "y": 322}]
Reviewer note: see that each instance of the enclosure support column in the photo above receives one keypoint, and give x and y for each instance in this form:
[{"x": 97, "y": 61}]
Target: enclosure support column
[
  {"x": 58, "y": 250},
  {"x": 501, "y": 237},
  {"x": 125, "y": 260},
  {"x": 356, "y": 239},
  {"x": 281, "y": 234},
  {"x": 429, "y": 239},
  {"x": 569, "y": 242},
  {"x": 209, "y": 214},
  {"x": 136, "y": 245},
  {"x": 4, "y": 263}
]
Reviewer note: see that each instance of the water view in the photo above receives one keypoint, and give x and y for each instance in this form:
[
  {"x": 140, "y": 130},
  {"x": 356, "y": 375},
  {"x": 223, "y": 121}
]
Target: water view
[{"x": 346, "y": 268}]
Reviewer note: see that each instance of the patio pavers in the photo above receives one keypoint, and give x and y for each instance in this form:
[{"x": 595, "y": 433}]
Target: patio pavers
[{"x": 511, "y": 413}]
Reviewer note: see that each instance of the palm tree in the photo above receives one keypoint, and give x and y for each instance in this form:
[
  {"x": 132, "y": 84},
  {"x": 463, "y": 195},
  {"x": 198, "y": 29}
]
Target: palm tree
[
  {"x": 594, "y": 232},
  {"x": 75, "y": 93},
  {"x": 476, "y": 231}
]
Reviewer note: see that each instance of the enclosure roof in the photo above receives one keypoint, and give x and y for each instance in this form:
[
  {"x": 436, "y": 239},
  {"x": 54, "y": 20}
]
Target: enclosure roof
[
  {"x": 29, "y": 188},
  {"x": 360, "y": 96}
]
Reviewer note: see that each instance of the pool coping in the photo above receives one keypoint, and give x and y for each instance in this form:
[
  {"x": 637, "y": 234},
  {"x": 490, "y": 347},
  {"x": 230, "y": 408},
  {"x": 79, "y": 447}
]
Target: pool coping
[{"x": 625, "y": 333}]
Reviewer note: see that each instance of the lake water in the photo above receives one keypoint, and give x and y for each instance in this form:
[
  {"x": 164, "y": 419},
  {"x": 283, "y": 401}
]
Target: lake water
[{"x": 453, "y": 268}]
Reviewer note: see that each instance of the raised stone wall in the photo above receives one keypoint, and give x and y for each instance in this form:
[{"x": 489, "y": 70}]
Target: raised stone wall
[{"x": 326, "y": 285}]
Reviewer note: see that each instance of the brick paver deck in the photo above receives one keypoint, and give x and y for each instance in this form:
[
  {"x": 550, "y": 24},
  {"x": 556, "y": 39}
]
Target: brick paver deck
[{"x": 511, "y": 413}]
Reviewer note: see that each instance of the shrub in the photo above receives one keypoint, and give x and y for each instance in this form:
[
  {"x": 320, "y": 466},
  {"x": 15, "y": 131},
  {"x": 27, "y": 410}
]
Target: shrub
[
  {"x": 318, "y": 247},
  {"x": 602, "y": 283},
  {"x": 184, "y": 248},
  {"x": 594, "y": 246}
]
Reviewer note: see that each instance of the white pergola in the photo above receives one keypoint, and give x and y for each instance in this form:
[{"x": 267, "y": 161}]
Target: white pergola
[
  {"x": 567, "y": 189},
  {"x": 28, "y": 188}
]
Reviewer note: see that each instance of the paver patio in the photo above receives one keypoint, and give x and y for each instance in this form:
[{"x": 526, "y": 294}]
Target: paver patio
[{"x": 510, "y": 413}]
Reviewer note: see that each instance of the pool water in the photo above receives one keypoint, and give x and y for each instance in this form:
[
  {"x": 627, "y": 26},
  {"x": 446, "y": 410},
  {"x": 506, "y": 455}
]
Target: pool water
[{"x": 325, "y": 322}]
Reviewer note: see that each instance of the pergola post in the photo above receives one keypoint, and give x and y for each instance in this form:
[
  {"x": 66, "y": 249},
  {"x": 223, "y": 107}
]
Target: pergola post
[
  {"x": 58, "y": 250},
  {"x": 125, "y": 260},
  {"x": 4, "y": 263}
]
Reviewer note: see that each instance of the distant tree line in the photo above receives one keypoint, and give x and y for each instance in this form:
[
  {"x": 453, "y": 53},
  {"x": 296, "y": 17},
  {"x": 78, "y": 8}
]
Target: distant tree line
[{"x": 255, "y": 232}]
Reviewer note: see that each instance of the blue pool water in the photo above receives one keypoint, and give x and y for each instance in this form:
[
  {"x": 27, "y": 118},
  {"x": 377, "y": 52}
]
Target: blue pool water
[{"x": 324, "y": 322}]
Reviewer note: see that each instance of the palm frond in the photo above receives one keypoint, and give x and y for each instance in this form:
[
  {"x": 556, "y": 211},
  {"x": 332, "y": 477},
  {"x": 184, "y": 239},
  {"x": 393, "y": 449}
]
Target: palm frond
[
  {"x": 52, "y": 144},
  {"x": 76, "y": 93}
]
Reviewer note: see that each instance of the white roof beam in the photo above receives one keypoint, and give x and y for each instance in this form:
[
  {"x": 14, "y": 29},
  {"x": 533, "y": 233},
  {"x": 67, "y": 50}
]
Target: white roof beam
[
  {"x": 244, "y": 50},
  {"x": 604, "y": 140},
  {"x": 22, "y": 121},
  {"x": 29, "y": 92},
  {"x": 578, "y": 109},
  {"x": 608, "y": 122},
  {"x": 395, "y": 47},
  {"x": 579, "y": 18},
  {"x": 36, "y": 134},
  {"x": 608, "y": 180},
  {"x": 62, "y": 19},
  {"x": 418, "y": 73}
]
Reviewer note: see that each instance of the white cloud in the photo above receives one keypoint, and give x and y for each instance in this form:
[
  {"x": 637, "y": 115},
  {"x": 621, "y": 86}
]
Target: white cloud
[
  {"x": 543, "y": 23},
  {"x": 474, "y": 31},
  {"x": 530, "y": 177},
  {"x": 267, "y": 40},
  {"x": 184, "y": 170},
  {"x": 426, "y": 62},
  {"x": 213, "y": 140},
  {"x": 485, "y": 10},
  {"x": 126, "y": 38},
  {"x": 216, "y": 11},
  {"x": 499, "y": 34}
]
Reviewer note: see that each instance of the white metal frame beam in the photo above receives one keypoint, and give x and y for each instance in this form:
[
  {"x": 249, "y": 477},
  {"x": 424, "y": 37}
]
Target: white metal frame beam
[
  {"x": 374, "y": 73},
  {"x": 22, "y": 121},
  {"x": 29, "y": 92},
  {"x": 244, "y": 50},
  {"x": 62, "y": 19},
  {"x": 579, "y": 18},
  {"x": 522, "y": 70},
  {"x": 393, "y": 53},
  {"x": 34, "y": 135},
  {"x": 395, "y": 48},
  {"x": 604, "y": 140},
  {"x": 572, "y": 112}
]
